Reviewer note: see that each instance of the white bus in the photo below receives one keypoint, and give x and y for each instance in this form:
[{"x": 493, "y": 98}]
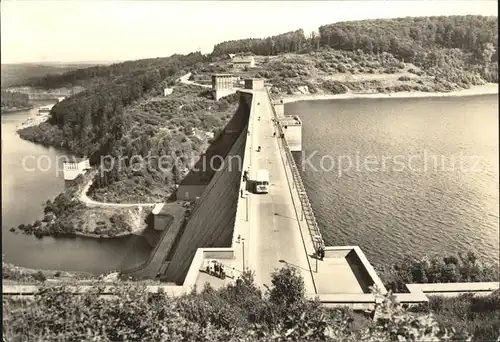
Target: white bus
[{"x": 262, "y": 182}]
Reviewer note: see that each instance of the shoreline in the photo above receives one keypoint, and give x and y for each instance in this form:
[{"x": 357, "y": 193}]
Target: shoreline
[
  {"x": 95, "y": 236},
  {"x": 15, "y": 109},
  {"x": 22, "y": 274},
  {"x": 32, "y": 121},
  {"x": 89, "y": 235},
  {"x": 486, "y": 89}
]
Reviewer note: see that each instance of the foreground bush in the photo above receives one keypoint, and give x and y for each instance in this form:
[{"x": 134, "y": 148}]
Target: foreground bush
[
  {"x": 478, "y": 315},
  {"x": 237, "y": 312}
]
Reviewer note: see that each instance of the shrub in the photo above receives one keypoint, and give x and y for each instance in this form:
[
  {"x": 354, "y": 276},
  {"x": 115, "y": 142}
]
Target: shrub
[
  {"x": 341, "y": 68},
  {"x": 391, "y": 70},
  {"x": 39, "y": 276},
  {"x": 479, "y": 316},
  {"x": 399, "y": 65},
  {"x": 334, "y": 87}
]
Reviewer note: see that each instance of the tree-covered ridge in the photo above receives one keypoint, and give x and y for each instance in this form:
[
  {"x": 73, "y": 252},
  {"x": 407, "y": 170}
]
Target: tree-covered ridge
[
  {"x": 91, "y": 121},
  {"x": 425, "y": 41},
  {"x": 287, "y": 42},
  {"x": 404, "y": 37},
  {"x": 166, "y": 135},
  {"x": 416, "y": 39},
  {"x": 96, "y": 75},
  {"x": 420, "y": 40},
  {"x": 13, "y": 100},
  {"x": 176, "y": 128}
]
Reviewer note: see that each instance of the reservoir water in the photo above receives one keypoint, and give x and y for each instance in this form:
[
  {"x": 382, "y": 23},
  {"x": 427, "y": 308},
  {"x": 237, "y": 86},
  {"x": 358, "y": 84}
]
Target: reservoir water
[
  {"x": 403, "y": 176},
  {"x": 24, "y": 193}
]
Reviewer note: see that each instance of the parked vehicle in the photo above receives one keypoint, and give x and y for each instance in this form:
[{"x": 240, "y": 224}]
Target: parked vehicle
[{"x": 262, "y": 182}]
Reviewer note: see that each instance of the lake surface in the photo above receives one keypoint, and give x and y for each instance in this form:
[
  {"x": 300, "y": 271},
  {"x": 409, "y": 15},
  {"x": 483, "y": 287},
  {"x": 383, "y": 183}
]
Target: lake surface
[
  {"x": 24, "y": 193},
  {"x": 410, "y": 176}
]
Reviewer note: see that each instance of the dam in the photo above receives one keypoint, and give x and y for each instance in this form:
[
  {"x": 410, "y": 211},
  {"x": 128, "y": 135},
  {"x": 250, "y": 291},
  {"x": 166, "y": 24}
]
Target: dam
[{"x": 231, "y": 226}]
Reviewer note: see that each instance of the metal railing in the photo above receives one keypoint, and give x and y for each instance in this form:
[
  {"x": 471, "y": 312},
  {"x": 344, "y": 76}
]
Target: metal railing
[{"x": 307, "y": 212}]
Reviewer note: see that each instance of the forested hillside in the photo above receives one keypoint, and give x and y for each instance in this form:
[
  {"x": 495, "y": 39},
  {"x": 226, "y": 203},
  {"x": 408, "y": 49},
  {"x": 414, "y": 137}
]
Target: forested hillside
[
  {"x": 14, "y": 101},
  {"x": 166, "y": 134},
  {"x": 93, "y": 120},
  {"x": 286, "y": 42},
  {"x": 97, "y": 75},
  {"x": 425, "y": 41},
  {"x": 130, "y": 117}
]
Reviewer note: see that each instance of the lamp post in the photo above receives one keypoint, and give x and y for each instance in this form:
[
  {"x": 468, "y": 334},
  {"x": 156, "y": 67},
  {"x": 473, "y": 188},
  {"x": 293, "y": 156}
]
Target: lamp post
[
  {"x": 242, "y": 241},
  {"x": 246, "y": 201},
  {"x": 316, "y": 262},
  {"x": 243, "y": 251},
  {"x": 318, "y": 239}
]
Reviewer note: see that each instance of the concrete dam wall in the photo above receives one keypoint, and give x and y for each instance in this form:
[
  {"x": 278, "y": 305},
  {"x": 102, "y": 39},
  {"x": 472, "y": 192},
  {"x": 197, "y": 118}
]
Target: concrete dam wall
[
  {"x": 211, "y": 222},
  {"x": 198, "y": 178}
]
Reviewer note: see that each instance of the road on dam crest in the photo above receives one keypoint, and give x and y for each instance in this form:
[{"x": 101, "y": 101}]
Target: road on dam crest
[{"x": 274, "y": 234}]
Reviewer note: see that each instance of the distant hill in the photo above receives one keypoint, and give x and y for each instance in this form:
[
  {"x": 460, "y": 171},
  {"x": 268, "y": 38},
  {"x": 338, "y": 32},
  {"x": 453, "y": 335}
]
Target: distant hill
[{"x": 18, "y": 74}]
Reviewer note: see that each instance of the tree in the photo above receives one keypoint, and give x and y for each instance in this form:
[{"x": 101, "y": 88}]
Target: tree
[
  {"x": 287, "y": 287},
  {"x": 175, "y": 173}
]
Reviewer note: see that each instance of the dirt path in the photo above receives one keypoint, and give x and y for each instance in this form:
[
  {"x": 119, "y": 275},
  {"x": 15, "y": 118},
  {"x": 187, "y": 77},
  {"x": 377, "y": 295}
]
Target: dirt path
[
  {"x": 83, "y": 197},
  {"x": 185, "y": 79}
]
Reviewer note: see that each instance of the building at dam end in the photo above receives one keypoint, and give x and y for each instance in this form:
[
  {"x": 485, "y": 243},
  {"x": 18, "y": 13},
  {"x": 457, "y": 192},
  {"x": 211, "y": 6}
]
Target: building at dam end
[{"x": 223, "y": 85}]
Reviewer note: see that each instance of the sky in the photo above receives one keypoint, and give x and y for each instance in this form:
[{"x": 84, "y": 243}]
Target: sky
[{"x": 89, "y": 30}]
